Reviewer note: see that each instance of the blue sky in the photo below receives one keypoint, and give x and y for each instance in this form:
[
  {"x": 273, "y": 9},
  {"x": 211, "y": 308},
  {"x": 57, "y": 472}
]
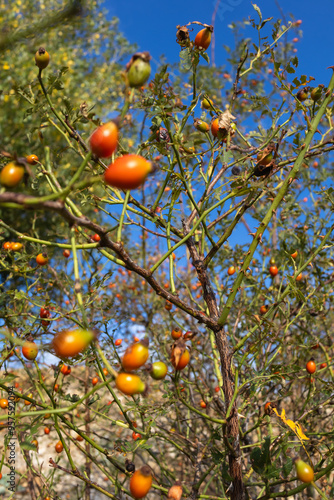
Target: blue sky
[{"x": 152, "y": 25}]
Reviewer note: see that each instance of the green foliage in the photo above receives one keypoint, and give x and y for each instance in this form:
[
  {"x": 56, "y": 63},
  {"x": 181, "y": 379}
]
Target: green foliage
[{"x": 261, "y": 461}]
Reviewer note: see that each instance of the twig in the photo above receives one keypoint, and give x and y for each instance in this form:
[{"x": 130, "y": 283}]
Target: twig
[
  {"x": 19, "y": 200},
  {"x": 77, "y": 474},
  {"x": 237, "y": 77}
]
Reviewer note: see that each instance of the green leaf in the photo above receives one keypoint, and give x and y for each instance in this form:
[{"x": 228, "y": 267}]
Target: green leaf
[
  {"x": 287, "y": 467},
  {"x": 35, "y": 428},
  {"x": 296, "y": 290},
  {"x": 205, "y": 56},
  {"x": 68, "y": 106},
  {"x": 73, "y": 398},
  {"x": 19, "y": 295},
  {"x": 265, "y": 21},
  {"x": 225, "y": 474},
  {"x": 276, "y": 29},
  {"x": 156, "y": 121},
  {"x": 28, "y": 111},
  {"x": 162, "y": 76},
  {"x": 257, "y": 8},
  {"x": 290, "y": 69},
  {"x": 186, "y": 61},
  {"x": 217, "y": 456},
  {"x": 8, "y": 378},
  {"x": 272, "y": 472},
  {"x": 93, "y": 399},
  {"x": 260, "y": 457},
  {"x": 227, "y": 156},
  {"x": 294, "y": 61},
  {"x": 242, "y": 192},
  {"x": 256, "y": 459},
  {"x": 277, "y": 66},
  {"x": 25, "y": 445},
  {"x": 296, "y": 84}
]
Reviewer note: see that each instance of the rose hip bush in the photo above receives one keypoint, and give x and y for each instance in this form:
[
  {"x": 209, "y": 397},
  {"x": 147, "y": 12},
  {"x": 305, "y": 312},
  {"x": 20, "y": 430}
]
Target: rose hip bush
[{"x": 166, "y": 235}]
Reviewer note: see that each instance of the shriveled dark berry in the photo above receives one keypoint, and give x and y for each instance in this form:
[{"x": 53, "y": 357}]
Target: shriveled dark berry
[{"x": 130, "y": 466}]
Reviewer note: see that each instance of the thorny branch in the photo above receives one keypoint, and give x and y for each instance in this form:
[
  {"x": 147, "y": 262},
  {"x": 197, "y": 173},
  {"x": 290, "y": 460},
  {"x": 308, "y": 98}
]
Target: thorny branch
[
  {"x": 77, "y": 474},
  {"x": 21, "y": 200}
]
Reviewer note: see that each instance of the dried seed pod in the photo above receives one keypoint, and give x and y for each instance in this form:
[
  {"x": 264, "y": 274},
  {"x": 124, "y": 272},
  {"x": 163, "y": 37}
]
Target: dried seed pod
[
  {"x": 269, "y": 407},
  {"x": 162, "y": 135},
  {"x": 225, "y": 119},
  {"x": 182, "y": 35}
]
